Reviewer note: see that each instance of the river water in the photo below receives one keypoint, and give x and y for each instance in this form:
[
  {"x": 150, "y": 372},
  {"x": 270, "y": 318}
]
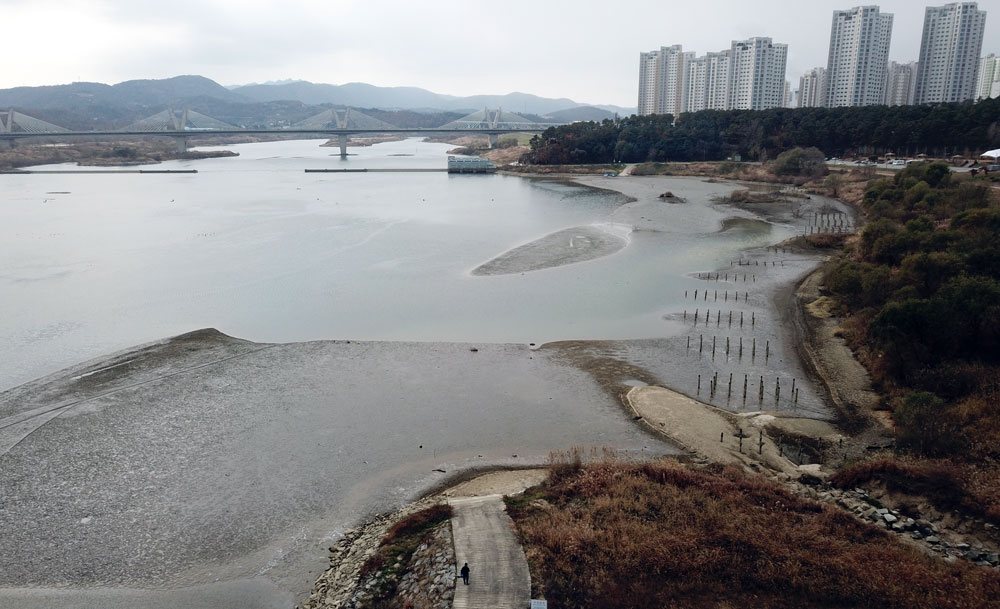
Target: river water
[
  {"x": 238, "y": 463},
  {"x": 259, "y": 249}
]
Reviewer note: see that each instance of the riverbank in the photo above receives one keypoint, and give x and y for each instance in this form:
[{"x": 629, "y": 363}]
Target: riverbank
[{"x": 128, "y": 153}]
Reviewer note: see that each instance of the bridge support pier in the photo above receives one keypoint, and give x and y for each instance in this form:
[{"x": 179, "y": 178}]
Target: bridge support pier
[
  {"x": 182, "y": 144},
  {"x": 342, "y": 139},
  {"x": 494, "y": 139}
]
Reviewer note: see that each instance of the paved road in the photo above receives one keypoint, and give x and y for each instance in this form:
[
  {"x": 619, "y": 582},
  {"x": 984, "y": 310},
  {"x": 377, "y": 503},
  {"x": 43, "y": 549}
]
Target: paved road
[{"x": 484, "y": 537}]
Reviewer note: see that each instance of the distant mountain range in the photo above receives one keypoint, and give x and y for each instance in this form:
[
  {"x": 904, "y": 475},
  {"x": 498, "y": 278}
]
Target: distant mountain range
[
  {"x": 362, "y": 95},
  {"x": 85, "y": 105}
]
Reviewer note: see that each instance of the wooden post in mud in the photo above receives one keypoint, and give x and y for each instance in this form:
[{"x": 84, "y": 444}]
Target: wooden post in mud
[
  {"x": 746, "y": 379},
  {"x": 777, "y": 390},
  {"x": 718, "y": 318},
  {"x": 730, "y": 319},
  {"x": 699, "y": 384},
  {"x": 727, "y": 346},
  {"x": 713, "y": 347},
  {"x": 753, "y": 354},
  {"x": 760, "y": 443},
  {"x": 701, "y": 342},
  {"x": 760, "y": 396},
  {"x": 717, "y": 296},
  {"x": 741, "y": 319},
  {"x": 689, "y": 342},
  {"x": 767, "y": 352},
  {"x": 741, "y": 347},
  {"x": 696, "y": 317},
  {"x": 753, "y": 319},
  {"x": 696, "y": 294}
]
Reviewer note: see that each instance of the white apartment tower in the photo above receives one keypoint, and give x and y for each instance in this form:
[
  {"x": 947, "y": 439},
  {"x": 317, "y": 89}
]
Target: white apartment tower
[
  {"x": 988, "y": 82},
  {"x": 949, "y": 52},
  {"x": 748, "y": 76},
  {"x": 900, "y": 84},
  {"x": 662, "y": 76},
  {"x": 708, "y": 82},
  {"x": 648, "y": 65},
  {"x": 859, "y": 52},
  {"x": 812, "y": 88},
  {"x": 757, "y": 74}
]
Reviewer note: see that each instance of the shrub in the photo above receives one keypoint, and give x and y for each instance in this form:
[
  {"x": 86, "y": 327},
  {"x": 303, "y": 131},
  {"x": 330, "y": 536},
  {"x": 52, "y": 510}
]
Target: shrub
[
  {"x": 800, "y": 162},
  {"x": 924, "y": 425}
]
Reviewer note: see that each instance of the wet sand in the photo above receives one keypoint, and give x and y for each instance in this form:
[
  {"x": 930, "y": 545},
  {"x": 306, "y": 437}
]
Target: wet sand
[
  {"x": 210, "y": 459},
  {"x": 570, "y": 246}
]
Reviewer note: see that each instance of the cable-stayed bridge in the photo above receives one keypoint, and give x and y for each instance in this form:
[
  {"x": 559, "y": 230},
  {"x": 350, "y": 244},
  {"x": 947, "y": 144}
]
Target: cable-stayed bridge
[{"x": 344, "y": 122}]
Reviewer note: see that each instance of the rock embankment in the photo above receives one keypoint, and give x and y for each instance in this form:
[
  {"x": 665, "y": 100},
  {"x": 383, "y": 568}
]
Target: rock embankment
[
  {"x": 341, "y": 586},
  {"x": 940, "y": 538},
  {"x": 429, "y": 582}
]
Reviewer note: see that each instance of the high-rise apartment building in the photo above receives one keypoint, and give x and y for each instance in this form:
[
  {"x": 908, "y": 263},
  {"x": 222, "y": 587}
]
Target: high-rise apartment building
[
  {"x": 662, "y": 77},
  {"x": 949, "y": 52},
  {"x": 859, "y": 52},
  {"x": 648, "y": 65},
  {"x": 988, "y": 82},
  {"x": 757, "y": 74},
  {"x": 672, "y": 81},
  {"x": 812, "y": 88},
  {"x": 708, "y": 82},
  {"x": 900, "y": 84}
]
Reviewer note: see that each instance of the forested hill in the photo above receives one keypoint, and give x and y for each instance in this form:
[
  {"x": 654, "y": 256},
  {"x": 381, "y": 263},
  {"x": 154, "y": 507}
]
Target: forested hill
[{"x": 937, "y": 130}]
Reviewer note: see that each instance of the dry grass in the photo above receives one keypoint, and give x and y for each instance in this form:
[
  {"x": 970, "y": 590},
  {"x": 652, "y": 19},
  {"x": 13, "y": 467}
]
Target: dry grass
[
  {"x": 662, "y": 535},
  {"x": 826, "y": 240},
  {"x": 971, "y": 489}
]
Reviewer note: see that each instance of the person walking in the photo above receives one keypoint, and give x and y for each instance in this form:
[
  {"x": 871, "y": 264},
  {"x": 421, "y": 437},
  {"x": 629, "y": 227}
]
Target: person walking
[{"x": 465, "y": 574}]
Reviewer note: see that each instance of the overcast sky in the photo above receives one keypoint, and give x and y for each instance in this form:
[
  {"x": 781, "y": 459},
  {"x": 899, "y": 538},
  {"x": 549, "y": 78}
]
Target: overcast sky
[{"x": 584, "y": 50}]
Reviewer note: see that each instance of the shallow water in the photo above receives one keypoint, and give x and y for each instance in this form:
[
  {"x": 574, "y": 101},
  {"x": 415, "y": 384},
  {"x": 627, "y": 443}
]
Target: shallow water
[{"x": 259, "y": 249}]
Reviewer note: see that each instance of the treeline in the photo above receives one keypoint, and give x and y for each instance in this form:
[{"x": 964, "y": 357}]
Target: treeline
[
  {"x": 922, "y": 287},
  {"x": 937, "y": 130}
]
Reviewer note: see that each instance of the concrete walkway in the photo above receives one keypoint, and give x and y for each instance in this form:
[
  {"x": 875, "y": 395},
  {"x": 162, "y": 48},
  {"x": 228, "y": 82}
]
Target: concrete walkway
[{"x": 484, "y": 538}]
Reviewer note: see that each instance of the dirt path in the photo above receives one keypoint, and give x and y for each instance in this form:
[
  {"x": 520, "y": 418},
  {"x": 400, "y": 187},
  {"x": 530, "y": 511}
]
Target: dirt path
[{"x": 484, "y": 538}]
